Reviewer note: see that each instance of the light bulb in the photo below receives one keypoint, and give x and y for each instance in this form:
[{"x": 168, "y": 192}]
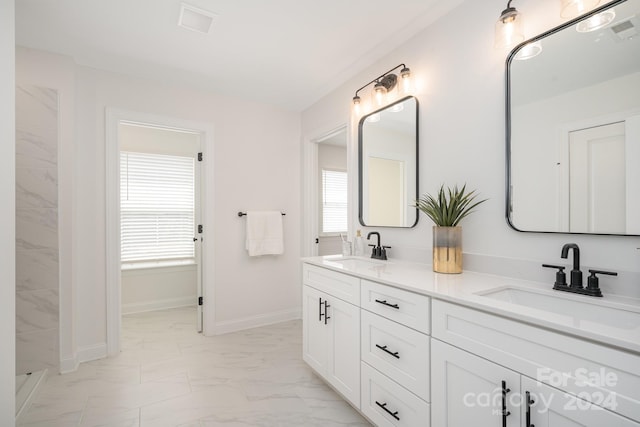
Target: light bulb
[
  {"x": 405, "y": 76},
  {"x": 509, "y": 32},
  {"x": 379, "y": 92},
  {"x": 356, "y": 105}
]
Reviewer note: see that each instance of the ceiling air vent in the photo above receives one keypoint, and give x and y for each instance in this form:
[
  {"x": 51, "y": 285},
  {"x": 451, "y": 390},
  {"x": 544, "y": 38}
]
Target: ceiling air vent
[
  {"x": 196, "y": 19},
  {"x": 624, "y": 30}
]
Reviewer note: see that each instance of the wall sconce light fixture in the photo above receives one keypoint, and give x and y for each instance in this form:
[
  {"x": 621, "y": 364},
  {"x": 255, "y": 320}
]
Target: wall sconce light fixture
[
  {"x": 509, "y": 29},
  {"x": 384, "y": 84},
  {"x": 573, "y": 8}
]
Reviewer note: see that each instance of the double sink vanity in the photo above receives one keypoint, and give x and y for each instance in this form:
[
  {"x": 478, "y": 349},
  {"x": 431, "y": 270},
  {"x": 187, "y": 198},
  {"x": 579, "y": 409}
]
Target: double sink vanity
[{"x": 409, "y": 347}]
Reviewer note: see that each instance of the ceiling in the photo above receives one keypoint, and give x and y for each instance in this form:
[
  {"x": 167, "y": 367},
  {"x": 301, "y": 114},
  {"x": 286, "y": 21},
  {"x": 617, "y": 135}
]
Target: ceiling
[{"x": 287, "y": 53}]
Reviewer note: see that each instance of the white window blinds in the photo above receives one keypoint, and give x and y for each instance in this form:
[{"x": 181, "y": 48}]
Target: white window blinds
[
  {"x": 334, "y": 201},
  {"x": 156, "y": 207}
]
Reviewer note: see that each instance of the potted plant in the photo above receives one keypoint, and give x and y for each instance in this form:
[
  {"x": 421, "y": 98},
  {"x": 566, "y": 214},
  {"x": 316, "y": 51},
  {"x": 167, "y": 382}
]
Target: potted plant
[{"x": 446, "y": 211}]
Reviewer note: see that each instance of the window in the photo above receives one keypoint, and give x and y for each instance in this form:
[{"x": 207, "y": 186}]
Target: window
[
  {"x": 157, "y": 207},
  {"x": 334, "y": 201}
]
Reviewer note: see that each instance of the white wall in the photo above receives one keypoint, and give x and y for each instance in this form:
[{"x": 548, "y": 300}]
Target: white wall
[
  {"x": 7, "y": 214},
  {"x": 460, "y": 86},
  {"x": 255, "y": 155},
  {"x": 255, "y": 164},
  {"x": 146, "y": 289}
]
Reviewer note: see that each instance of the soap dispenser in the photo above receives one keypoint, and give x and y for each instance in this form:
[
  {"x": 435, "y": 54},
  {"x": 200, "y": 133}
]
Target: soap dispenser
[{"x": 358, "y": 244}]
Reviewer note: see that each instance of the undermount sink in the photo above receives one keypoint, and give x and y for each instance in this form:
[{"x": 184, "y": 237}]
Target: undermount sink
[{"x": 575, "y": 311}]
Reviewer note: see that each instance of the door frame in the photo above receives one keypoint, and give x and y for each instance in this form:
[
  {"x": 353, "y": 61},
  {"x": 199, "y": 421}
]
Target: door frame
[
  {"x": 112, "y": 216},
  {"x": 310, "y": 185}
]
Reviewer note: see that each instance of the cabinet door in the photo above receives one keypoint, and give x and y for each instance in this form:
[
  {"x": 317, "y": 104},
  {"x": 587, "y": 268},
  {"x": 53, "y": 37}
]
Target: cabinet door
[
  {"x": 315, "y": 336},
  {"x": 550, "y": 407},
  {"x": 467, "y": 390},
  {"x": 344, "y": 349}
]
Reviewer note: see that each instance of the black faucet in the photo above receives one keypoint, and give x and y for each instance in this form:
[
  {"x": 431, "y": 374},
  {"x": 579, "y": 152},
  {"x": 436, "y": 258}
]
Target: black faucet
[
  {"x": 592, "y": 289},
  {"x": 576, "y": 274},
  {"x": 378, "y": 252}
]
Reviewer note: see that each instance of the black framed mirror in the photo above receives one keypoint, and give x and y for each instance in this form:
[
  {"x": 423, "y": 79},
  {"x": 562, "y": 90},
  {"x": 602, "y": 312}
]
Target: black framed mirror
[
  {"x": 573, "y": 126},
  {"x": 388, "y": 165}
]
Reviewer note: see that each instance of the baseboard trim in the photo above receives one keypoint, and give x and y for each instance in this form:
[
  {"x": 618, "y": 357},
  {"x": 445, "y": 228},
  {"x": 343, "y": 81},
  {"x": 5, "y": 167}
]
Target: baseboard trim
[
  {"x": 92, "y": 352},
  {"x": 69, "y": 364},
  {"x": 257, "y": 321},
  {"x": 160, "y": 304}
]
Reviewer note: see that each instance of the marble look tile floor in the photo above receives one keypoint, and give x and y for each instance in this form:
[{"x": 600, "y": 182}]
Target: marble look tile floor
[{"x": 169, "y": 375}]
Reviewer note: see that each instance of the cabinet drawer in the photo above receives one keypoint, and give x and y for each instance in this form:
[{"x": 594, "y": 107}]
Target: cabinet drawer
[
  {"x": 589, "y": 370},
  {"x": 339, "y": 285},
  {"x": 381, "y": 398},
  {"x": 408, "y": 308},
  {"x": 399, "y": 352}
]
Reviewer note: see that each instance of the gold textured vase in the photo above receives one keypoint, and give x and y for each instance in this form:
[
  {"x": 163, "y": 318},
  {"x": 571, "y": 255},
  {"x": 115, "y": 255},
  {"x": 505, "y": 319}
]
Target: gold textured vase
[{"x": 447, "y": 249}]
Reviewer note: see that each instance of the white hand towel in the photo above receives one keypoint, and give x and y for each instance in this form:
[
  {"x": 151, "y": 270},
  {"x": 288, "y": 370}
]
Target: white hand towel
[{"x": 264, "y": 233}]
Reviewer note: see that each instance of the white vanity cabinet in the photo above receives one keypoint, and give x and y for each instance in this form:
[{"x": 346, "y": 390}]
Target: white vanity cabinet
[
  {"x": 395, "y": 355},
  {"x": 331, "y": 329},
  {"x": 468, "y": 390},
  {"x": 440, "y": 358},
  {"x": 587, "y": 384},
  {"x": 550, "y": 407}
]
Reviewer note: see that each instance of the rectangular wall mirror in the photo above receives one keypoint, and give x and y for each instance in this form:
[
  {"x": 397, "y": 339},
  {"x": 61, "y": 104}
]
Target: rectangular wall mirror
[
  {"x": 388, "y": 165},
  {"x": 573, "y": 126}
]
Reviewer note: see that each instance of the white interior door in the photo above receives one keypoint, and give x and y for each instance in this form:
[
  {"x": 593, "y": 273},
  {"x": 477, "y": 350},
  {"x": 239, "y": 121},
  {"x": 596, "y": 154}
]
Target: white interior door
[
  {"x": 386, "y": 191},
  {"x": 597, "y": 177}
]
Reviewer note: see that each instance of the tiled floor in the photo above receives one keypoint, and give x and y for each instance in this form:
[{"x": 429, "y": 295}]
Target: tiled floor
[{"x": 169, "y": 375}]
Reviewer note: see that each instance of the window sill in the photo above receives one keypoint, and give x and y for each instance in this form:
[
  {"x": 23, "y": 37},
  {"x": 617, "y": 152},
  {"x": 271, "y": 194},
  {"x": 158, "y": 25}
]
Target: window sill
[{"x": 135, "y": 266}]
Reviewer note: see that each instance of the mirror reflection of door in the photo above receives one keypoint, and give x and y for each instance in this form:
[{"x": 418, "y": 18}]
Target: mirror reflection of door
[
  {"x": 332, "y": 192},
  {"x": 387, "y": 193},
  {"x": 597, "y": 176}
]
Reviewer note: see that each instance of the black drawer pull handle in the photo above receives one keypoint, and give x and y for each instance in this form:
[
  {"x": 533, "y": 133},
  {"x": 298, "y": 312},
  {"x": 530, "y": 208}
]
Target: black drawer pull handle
[
  {"x": 384, "y": 406},
  {"x": 326, "y": 314},
  {"x": 529, "y": 402},
  {"x": 384, "y": 348},
  {"x": 505, "y": 413},
  {"x": 396, "y": 306}
]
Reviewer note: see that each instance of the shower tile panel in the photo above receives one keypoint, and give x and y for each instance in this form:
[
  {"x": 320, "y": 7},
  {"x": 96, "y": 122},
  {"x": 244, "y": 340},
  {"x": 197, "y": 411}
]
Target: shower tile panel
[
  {"x": 37, "y": 266},
  {"x": 36, "y": 269},
  {"x": 36, "y": 310},
  {"x": 36, "y": 351},
  {"x": 36, "y": 229},
  {"x": 36, "y": 188}
]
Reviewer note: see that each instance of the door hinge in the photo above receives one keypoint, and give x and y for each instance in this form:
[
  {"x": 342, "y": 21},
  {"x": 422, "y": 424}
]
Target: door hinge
[
  {"x": 200, "y": 228},
  {"x": 199, "y": 157},
  {"x": 199, "y": 300}
]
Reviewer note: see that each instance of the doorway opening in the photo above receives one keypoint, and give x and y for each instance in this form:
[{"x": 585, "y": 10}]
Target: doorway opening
[
  {"x": 332, "y": 201},
  {"x": 159, "y": 218},
  {"x": 155, "y": 208}
]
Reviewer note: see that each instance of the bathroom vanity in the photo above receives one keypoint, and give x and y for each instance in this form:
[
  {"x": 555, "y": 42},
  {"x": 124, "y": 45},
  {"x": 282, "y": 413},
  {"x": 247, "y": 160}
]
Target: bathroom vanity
[{"x": 409, "y": 347}]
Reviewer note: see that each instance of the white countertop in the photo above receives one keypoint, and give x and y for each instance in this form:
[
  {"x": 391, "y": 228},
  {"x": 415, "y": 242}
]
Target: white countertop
[{"x": 467, "y": 289}]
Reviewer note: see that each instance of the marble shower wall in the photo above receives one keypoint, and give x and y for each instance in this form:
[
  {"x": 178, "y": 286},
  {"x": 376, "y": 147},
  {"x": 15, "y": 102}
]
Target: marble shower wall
[{"x": 37, "y": 301}]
